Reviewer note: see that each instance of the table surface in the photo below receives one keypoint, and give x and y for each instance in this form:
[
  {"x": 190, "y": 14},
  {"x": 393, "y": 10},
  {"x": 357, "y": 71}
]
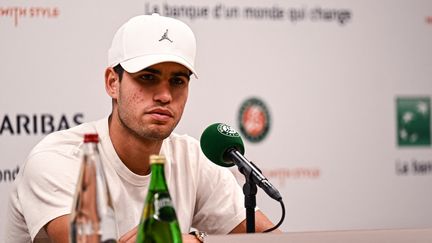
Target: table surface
[{"x": 355, "y": 236}]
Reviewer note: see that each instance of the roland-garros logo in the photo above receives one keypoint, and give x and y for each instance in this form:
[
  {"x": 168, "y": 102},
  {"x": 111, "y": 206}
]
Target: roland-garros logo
[
  {"x": 254, "y": 119},
  {"x": 429, "y": 19},
  {"x": 227, "y": 130}
]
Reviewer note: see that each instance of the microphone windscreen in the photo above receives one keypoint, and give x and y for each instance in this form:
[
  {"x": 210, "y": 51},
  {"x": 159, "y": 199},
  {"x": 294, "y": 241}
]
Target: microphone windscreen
[{"x": 217, "y": 139}]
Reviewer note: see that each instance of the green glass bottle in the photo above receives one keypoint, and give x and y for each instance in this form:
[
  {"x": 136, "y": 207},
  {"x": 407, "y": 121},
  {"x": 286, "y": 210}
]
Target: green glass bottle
[{"x": 159, "y": 222}]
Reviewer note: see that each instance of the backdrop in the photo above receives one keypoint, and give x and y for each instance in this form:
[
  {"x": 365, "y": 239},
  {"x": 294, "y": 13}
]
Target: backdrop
[{"x": 332, "y": 98}]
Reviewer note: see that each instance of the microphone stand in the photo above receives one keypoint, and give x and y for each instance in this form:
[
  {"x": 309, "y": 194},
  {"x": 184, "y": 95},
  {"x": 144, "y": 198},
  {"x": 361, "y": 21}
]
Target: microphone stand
[{"x": 249, "y": 191}]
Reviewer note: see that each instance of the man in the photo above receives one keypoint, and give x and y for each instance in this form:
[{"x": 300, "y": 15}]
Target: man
[{"x": 151, "y": 60}]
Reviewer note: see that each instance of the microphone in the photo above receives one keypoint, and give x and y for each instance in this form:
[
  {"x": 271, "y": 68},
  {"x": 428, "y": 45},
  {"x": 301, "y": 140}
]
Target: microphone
[{"x": 223, "y": 146}]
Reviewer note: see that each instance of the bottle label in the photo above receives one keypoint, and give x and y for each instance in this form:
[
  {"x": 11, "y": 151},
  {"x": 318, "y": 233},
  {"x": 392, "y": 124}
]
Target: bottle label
[
  {"x": 163, "y": 202},
  {"x": 164, "y": 209}
]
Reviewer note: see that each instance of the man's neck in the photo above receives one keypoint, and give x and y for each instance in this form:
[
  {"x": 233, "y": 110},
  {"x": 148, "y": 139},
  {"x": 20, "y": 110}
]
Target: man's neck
[{"x": 133, "y": 151}]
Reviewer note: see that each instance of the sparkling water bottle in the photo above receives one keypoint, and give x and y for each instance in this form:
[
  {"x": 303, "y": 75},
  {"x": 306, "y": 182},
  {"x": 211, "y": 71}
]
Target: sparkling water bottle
[{"x": 159, "y": 222}]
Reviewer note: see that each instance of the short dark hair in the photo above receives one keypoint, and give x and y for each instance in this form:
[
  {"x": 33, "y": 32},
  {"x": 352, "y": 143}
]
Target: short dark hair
[{"x": 119, "y": 70}]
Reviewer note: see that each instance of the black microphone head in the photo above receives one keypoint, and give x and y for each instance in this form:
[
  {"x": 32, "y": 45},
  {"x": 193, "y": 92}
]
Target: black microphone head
[{"x": 217, "y": 139}]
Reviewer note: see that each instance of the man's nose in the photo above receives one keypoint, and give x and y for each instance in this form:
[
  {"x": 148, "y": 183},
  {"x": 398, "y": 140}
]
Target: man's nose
[{"x": 163, "y": 93}]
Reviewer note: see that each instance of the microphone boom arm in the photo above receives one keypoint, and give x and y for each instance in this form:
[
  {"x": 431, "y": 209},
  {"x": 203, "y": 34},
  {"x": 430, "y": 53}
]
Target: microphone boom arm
[{"x": 250, "y": 171}]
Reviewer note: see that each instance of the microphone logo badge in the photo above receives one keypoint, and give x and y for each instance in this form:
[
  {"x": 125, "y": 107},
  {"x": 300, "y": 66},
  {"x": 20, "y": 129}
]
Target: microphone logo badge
[
  {"x": 165, "y": 37},
  {"x": 226, "y": 130}
]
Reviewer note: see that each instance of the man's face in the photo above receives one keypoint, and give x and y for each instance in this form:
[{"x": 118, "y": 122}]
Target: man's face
[{"x": 151, "y": 102}]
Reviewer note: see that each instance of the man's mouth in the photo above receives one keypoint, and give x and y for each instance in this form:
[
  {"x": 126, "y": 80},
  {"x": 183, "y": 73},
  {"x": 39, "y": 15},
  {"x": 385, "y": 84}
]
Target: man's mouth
[{"x": 160, "y": 114}]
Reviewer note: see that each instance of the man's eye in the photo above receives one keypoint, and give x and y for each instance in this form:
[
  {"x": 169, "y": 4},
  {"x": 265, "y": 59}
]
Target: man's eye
[
  {"x": 147, "y": 77},
  {"x": 178, "y": 81}
]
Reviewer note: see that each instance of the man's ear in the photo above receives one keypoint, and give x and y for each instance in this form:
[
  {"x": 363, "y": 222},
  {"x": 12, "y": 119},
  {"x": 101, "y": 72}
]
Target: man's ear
[{"x": 112, "y": 83}]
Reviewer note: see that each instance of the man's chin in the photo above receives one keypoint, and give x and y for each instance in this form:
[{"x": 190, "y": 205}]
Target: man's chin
[
  {"x": 158, "y": 133},
  {"x": 157, "y": 136}
]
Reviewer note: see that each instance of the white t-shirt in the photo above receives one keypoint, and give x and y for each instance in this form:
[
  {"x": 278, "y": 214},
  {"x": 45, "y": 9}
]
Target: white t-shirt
[{"x": 205, "y": 196}]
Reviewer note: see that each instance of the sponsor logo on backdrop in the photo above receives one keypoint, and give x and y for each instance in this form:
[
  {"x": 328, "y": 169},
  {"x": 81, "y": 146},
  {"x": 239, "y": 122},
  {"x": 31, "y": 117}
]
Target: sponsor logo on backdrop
[
  {"x": 272, "y": 12},
  {"x": 281, "y": 175},
  {"x": 37, "y": 124},
  {"x": 254, "y": 120},
  {"x": 8, "y": 175},
  {"x": 414, "y": 167},
  {"x": 413, "y": 132},
  {"x": 15, "y": 13},
  {"x": 413, "y": 121}
]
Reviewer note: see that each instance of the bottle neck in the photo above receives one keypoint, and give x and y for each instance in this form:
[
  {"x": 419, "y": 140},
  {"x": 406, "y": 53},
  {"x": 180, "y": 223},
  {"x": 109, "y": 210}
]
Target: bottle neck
[
  {"x": 90, "y": 148},
  {"x": 157, "y": 181},
  {"x": 91, "y": 158}
]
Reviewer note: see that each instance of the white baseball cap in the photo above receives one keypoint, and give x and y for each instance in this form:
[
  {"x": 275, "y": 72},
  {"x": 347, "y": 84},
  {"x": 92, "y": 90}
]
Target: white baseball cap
[{"x": 146, "y": 40}]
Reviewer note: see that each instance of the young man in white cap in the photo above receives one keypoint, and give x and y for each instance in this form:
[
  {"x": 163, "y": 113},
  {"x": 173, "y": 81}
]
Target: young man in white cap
[{"x": 151, "y": 60}]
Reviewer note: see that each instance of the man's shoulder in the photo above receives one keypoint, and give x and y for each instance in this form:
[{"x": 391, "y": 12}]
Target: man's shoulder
[
  {"x": 65, "y": 141},
  {"x": 56, "y": 155}
]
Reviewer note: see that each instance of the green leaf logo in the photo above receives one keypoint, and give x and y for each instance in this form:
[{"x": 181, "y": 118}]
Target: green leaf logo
[{"x": 413, "y": 121}]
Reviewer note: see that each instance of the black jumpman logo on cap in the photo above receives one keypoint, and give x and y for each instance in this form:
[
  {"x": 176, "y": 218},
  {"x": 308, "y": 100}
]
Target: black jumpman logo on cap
[{"x": 165, "y": 36}]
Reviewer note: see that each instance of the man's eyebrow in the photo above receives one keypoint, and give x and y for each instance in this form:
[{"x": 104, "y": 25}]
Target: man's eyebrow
[
  {"x": 152, "y": 70},
  {"x": 181, "y": 73},
  {"x": 186, "y": 74}
]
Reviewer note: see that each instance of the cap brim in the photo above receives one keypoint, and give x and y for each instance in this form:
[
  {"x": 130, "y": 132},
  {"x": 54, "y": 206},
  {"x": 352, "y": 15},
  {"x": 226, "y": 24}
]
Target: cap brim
[{"x": 139, "y": 63}]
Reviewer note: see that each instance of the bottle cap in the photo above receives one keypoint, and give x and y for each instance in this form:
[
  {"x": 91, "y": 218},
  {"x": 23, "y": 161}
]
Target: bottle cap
[
  {"x": 91, "y": 138},
  {"x": 157, "y": 159}
]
